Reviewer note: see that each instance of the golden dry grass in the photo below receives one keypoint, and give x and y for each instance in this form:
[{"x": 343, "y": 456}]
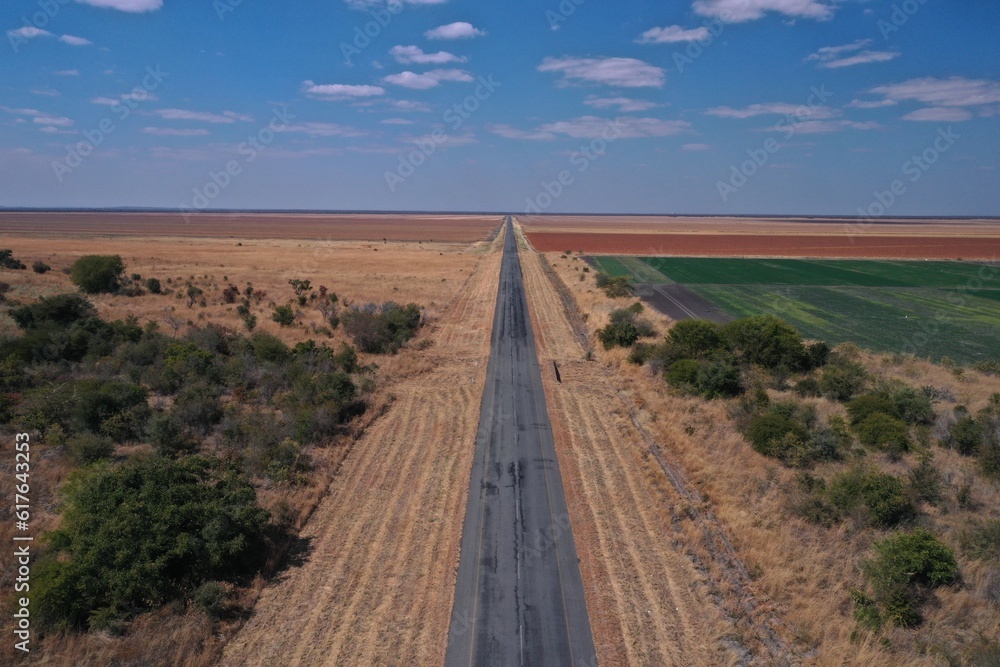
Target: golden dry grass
[
  {"x": 808, "y": 571},
  {"x": 447, "y": 354},
  {"x": 377, "y": 585}
]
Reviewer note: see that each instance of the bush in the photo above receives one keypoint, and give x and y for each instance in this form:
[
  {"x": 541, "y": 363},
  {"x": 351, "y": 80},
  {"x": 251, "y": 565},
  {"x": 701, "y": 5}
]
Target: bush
[
  {"x": 382, "y": 329},
  {"x": 874, "y": 498},
  {"x": 166, "y": 434},
  {"x": 96, "y": 274},
  {"x": 905, "y": 566},
  {"x": 719, "y": 377},
  {"x": 154, "y": 286},
  {"x": 38, "y": 266},
  {"x": 269, "y": 348},
  {"x": 616, "y": 287},
  {"x": 965, "y": 435},
  {"x": 683, "y": 374},
  {"x": 768, "y": 433},
  {"x": 618, "y": 334},
  {"x": 137, "y": 535},
  {"x": 198, "y": 406},
  {"x": 862, "y": 407},
  {"x": 843, "y": 380},
  {"x": 694, "y": 339},
  {"x": 85, "y": 448},
  {"x": 7, "y": 260},
  {"x": 767, "y": 341},
  {"x": 981, "y": 541},
  {"x": 884, "y": 432},
  {"x": 808, "y": 388},
  {"x": 61, "y": 311}
]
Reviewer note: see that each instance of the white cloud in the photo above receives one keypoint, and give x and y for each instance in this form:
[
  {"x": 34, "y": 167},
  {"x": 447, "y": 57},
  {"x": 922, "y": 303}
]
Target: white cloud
[
  {"x": 953, "y": 92},
  {"x": 414, "y": 54},
  {"x": 622, "y": 72},
  {"x": 134, "y": 6},
  {"x": 67, "y": 72},
  {"x": 592, "y": 127},
  {"x": 341, "y": 91},
  {"x": 52, "y": 129},
  {"x": 47, "y": 92},
  {"x": 696, "y": 147},
  {"x": 456, "y": 30},
  {"x": 396, "y": 121},
  {"x": 40, "y": 117},
  {"x": 833, "y": 57},
  {"x": 624, "y": 104},
  {"x": 75, "y": 41},
  {"x": 865, "y": 104},
  {"x": 825, "y": 126},
  {"x": 672, "y": 34},
  {"x": 508, "y": 132},
  {"x": 738, "y": 11},
  {"x": 201, "y": 116},
  {"x": 940, "y": 114},
  {"x": 324, "y": 130},
  {"x": 174, "y": 132},
  {"x": 427, "y": 80},
  {"x": 776, "y": 109},
  {"x": 28, "y": 32},
  {"x": 376, "y": 4}
]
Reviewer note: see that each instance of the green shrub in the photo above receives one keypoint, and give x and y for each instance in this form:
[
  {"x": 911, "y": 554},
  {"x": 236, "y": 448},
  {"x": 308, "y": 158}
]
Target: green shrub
[
  {"x": 925, "y": 480},
  {"x": 7, "y": 260},
  {"x": 842, "y": 380},
  {"x": 135, "y": 536},
  {"x": 874, "y": 498},
  {"x": 210, "y": 597},
  {"x": 95, "y": 274},
  {"x": 615, "y": 287},
  {"x": 768, "y": 433},
  {"x": 284, "y": 316},
  {"x": 694, "y": 339},
  {"x": 84, "y": 448},
  {"x": 683, "y": 374},
  {"x": 862, "y": 407},
  {"x": 641, "y": 353},
  {"x": 767, "y": 341},
  {"x": 382, "y": 329},
  {"x": 719, "y": 377},
  {"x": 904, "y": 566},
  {"x": 269, "y": 348},
  {"x": 59, "y": 311},
  {"x": 884, "y": 432},
  {"x": 166, "y": 434},
  {"x": 981, "y": 540},
  {"x": 154, "y": 286},
  {"x": 965, "y": 435},
  {"x": 618, "y": 334},
  {"x": 198, "y": 406},
  {"x": 38, "y": 266},
  {"x": 808, "y": 388},
  {"x": 989, "y": 367}
]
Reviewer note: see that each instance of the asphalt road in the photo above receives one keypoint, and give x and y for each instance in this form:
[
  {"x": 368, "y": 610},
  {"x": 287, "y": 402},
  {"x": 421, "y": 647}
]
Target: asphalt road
[{"x": 519, "y": 597}]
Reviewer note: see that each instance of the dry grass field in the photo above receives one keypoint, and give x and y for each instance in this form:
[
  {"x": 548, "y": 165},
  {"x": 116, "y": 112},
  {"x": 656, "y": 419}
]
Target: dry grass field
[
  {"x": 806, "y": 571},
  {"x": 401, "y": 494},
  {"x": 763, "y": 237}
]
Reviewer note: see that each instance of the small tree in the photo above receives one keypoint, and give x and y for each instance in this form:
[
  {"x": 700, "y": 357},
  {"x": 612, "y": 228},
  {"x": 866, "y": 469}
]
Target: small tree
[
  {"x": 8, "y": 261},
  {"x": 95, "y": 274},
  {"x": 154, "y": 286},
  {"x": 38, "y": 266},
  {"x": 284, "y": 316}
]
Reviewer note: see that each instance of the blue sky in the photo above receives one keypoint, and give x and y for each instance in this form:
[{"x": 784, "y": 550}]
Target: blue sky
[{"x": 696, "y": 106}]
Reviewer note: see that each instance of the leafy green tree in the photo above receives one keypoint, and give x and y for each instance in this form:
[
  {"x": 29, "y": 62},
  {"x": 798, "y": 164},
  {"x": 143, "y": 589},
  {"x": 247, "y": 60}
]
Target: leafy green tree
[
  {"x": 154, "y": 286},
  {"x": 61, "y": 310},
  {"x": 875, "y": 498},
  {"x": 284, "y": 316},
  {"x": 95, "y": 274},
  {"x": 694, "y": 339},
  {"x": 767, "y": 341},
  {"x": 618, "y": 334},
  {"x": 843, "y": 380},
  {"x": 135, "y": 536},
  {"x": 884, "y": 432}
]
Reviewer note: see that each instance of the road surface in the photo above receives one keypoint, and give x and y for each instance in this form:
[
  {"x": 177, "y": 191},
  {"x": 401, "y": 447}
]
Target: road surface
[{"x": 519, "y": 597}]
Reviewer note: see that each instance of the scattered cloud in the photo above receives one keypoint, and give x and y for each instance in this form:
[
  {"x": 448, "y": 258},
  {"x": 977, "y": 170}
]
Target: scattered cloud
[
  {"x": 624, "y": 104},
  {"x": 456, "y": 30},
  {"x": 67, "y": 72},
  {"x": 414, "y": 54},
  {"x": 953, "y": 92},
  {"x": 592, "y": 127},
  {"x": 46, "y": 92},
  {"x": 375, "y": 4},
  {"x": 865, "y": 104},
  {"x": 621, "y": 72},
  {"x": 324, "y": 130},
  {"x": 825, "y": 126},
  {"x": 776, "y": 109},
  {"x": 75, "y": 41},
  {"x": 739, "y": 11},
  {"x": 940, "y": 114},
  {"x": 671, "y": 34},
  {"x": 28, "y": 32},
  {"x": 174, "y": 132},
  {"x": 834, "y": 57},
  {"x": 427, "y": 80},
  {"x": 133, "y": 6},
  {"x": 695, "y": 147},
  {"x": 396, "y": 121},
  {"x": 340, "y": 91},
  {"x": 202, "y": 116},
  {"x": 40, "y": 117}
]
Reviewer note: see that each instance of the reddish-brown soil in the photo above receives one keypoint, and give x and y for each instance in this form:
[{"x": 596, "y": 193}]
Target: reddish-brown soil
[
  {"x": 325, "y": 226},
  {"x": 770, "y": 245}
]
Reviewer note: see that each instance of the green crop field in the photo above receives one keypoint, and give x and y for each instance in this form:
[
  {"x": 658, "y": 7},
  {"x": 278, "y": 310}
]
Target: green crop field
[
  {"x": 633, "y": 267},
  {"x": 931, "y": 309}
]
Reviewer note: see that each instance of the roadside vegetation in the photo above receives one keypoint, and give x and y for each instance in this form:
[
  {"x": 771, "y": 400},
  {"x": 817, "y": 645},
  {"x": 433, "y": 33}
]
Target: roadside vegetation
[
  {"x": 864, "y": 487},
  {"x": 187, "y": 456}
]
